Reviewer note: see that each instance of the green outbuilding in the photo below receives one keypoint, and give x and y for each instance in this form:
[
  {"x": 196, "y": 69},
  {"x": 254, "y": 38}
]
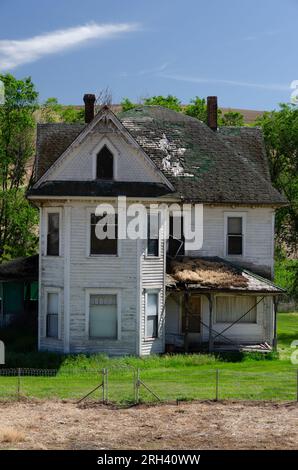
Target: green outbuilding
[{"x": 18, "y": 289}]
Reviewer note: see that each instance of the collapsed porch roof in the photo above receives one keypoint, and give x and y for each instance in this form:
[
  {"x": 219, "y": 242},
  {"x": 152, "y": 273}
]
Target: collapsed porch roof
[{"x": 207, "y": 274}]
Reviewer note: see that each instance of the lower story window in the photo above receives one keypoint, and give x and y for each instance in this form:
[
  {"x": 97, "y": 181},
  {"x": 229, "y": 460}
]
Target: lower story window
[
  {"x": 232, "y": 308},
  {"x": 52, "y": 314},
  {"x": 103, "y": 321},
  {"x": 152, "y": 308}
]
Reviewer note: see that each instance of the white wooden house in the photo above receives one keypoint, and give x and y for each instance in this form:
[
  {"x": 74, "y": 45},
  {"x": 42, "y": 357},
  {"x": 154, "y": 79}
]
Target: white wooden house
[{"x": 144, "y": 296}]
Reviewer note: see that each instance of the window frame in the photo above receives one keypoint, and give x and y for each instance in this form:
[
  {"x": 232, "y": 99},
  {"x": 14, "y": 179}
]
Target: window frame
[
  {"x": 180, "y": 253},
  {"x": 238, "y": 324},
  {"x": 147, "y": 255},
  {"x": 105, "y": 142},
  {"x": 158, "y": 292},
  {"x": 97, "y": 164},
  {"x": 243, "y": 216},
  {"x": 102, "y": 291},
  {"x": 47, "y": 211},
  {"x": 89, "y": 212},
  {"x": 52, "y": 290}
]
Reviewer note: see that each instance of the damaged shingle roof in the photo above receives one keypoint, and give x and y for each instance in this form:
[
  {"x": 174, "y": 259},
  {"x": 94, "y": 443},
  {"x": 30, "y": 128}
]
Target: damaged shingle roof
[
  {"x": 248, "y": 142},
  {"x": 228, "y": 166},
  {"x": 214, "y": 273}
]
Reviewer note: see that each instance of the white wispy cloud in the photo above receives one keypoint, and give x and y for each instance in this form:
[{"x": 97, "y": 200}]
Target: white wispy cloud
[
  {"x": 261, "y": 34},
  {"x": 14, "y": 53},
  {"x": 191, "y": 79},
  {"x": 159, "y": 68}
]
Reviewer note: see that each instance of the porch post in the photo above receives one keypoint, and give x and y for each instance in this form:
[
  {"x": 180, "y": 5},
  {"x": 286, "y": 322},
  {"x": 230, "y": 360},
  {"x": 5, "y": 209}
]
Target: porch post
[
  {"x": 210, "y": 300},
  {"x": 186, "y": 311},
  {"x": 275, "y": 304}
]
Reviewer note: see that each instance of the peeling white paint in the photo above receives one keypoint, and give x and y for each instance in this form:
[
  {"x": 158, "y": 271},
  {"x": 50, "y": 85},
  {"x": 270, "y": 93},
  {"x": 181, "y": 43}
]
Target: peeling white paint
[{"x": 170, "y": 162}]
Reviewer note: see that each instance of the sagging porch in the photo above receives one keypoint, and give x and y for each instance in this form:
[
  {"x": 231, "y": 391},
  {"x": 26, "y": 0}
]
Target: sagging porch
[{"x": 216, "y": 306}]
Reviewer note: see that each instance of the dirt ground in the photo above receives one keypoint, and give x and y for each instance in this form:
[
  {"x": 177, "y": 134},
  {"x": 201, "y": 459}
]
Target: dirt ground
[{"x": 222, "y": 425}]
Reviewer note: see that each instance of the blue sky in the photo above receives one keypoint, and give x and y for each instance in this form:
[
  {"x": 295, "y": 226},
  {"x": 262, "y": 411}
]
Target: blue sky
[{"x": 243, "y": 52}]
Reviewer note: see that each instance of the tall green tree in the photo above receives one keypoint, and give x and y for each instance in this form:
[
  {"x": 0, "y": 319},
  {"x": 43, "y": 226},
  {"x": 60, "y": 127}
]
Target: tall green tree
[
  {"x": 170, "y": 101},
  {"x": 52, "y": 111},
  {"x": 231, "y": 118},
  {"x": 280, "y": 129},
  {"x": 17, "y": 134},
  {"x": 197, "y": 108}
]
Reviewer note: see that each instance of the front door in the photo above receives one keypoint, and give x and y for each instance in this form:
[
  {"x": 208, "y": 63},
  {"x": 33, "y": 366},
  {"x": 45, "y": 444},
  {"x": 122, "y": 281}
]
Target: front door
[{"x": 191, "y": 320}]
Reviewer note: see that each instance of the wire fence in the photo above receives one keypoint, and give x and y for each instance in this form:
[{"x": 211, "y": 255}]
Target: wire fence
[{"x": 123, "y": 385}]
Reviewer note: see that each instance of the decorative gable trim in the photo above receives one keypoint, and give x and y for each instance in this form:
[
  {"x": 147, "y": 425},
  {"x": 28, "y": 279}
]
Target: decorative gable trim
[{"x": 105, "y": 115}]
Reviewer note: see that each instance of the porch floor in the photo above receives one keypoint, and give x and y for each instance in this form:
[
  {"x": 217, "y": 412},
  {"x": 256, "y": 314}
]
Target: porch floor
[{"x": 263, "y": 347}]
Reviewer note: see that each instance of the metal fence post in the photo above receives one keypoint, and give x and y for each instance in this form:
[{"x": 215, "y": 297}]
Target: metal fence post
[
  {"x": 19, "y": 383},
  {"x": 216, "y": 385},
  {"x": 137, "y": 387},
  {"x": 103, "y": 384},
  {"x": 106, "y": 387}
]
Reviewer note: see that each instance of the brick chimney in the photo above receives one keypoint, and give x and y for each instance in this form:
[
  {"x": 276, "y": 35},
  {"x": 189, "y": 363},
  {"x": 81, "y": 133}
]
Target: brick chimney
[
  {"x": 89, "y": 101},
  {"x": 212, "y": 112}
]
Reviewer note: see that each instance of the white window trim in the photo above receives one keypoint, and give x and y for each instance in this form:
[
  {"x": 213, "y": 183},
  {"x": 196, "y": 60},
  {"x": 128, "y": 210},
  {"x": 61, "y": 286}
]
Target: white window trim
[
  {"x": 52, "y": 290},
  {"x": 158, "y": 292},
  {"x": 89, "y": 211},
  {"x": 47, "y": 211},
  {"x": 105, "y": 142},
  {"x": 258, "y": 321},
  {"x": 102, "y": 291},
  {"x": 159, "y": 255},
  {"x": 243, "y": 215}
]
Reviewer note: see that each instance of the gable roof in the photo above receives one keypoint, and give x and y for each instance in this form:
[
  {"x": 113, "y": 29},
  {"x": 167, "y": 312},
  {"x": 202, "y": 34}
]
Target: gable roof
[{"x": 202, "y": 165}]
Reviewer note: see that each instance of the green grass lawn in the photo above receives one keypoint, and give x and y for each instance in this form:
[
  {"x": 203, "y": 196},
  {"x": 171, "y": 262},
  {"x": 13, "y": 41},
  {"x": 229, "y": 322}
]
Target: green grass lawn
[{"x": 171, "y": 377}]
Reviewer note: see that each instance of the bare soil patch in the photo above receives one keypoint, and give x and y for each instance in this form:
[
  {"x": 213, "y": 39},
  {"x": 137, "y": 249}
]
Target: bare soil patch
[{"x": 197, "y": 425}]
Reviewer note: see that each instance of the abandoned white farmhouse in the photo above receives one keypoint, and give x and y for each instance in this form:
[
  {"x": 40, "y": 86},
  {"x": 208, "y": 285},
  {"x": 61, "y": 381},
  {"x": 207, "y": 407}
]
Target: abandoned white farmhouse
[{"x": 144, "y": 296}]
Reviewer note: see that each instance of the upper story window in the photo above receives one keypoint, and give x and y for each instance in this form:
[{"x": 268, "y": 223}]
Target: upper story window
[
  {"x": 176, "y": 243},
  {"x": 109, "y": 244},
  {"x": 53, "y": 233},
  {"x": 153, "y": 235},
  {"x": 105, "y": 164},
  {"x": 234, "y": 235}
]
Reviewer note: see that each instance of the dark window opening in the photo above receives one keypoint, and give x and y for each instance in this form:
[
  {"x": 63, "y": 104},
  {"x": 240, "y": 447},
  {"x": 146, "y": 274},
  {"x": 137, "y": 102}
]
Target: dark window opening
[
  {"x": 235, "y": 236},
  {"x": 53, "y": 234},
  {"x": 153, "y": 235},
  {"x": 176, "y": 243},
  {"x": 105, "y": 164},
  {"x": 108, "y": 245}
]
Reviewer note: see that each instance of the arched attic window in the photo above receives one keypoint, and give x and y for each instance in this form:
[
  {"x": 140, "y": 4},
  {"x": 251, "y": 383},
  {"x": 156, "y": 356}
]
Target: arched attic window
[{"x": 105, "y": 164}]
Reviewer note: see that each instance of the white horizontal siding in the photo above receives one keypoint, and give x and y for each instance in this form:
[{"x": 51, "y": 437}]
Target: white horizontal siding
[
  {"x": 130, "y": 163},
  {"x": 258, "y": 237}
]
